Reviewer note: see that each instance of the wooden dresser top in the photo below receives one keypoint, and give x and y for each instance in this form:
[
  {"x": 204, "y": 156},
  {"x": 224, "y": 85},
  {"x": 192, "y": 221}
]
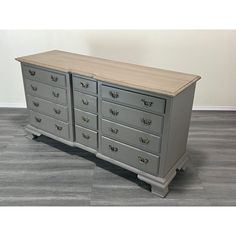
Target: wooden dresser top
[{"x": 134, "y": 76}]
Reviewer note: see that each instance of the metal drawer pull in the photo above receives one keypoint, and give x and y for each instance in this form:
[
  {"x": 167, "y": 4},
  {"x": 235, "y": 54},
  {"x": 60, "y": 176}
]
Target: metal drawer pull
[
  {"x": 56, "y": 95},
  {"x": 58, "y": 127},
  {"x": 144, "y": 140},
  {"x": 147, "y": 103},
  {"x": 54, "y": 78},
  {"x": 114, "y": 131},
  {"x": 36, "y": 104},
  {"x": 114, "y": 94},
  {"x": 34, "y": 87},
  {"x": 84, "y": 85},
  {"x": 38, "y": 119},
  {"x": 32, "y": 72},
  {"x": 57, "y": 111},
  {"x": 85, "y": 119},
  {"x": 146, "y": 121},
  {"x": 113, "y": 149},
  {"x": 142, "y": 160},
  {"x": 114, "y": 112},
  {"x": 86, "y": 136},
  {"x": 85, "y": 101}
]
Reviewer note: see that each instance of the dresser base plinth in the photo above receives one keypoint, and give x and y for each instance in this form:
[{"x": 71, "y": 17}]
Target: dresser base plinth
[{"x": 31, "y": 133}]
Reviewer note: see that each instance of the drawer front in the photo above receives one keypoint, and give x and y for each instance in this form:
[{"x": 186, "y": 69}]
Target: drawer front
[
  {"x": 48, "y": 108},
  {"x": 50, "y": 125},
  {"x": 131, "y": 156},
  {"x": 86, "y": 119},
  {"x": 85, "y": 102},
  {"x": 139, "y": 139},
  {"x": 133, "y": 117},
  {"x": 86, "y": 137},
  {"x": 146, "y": 102},
  {"x": 44, "y": 76},
  {"x": 84, "y": 85},
  {"x": 47, "y": 92}
]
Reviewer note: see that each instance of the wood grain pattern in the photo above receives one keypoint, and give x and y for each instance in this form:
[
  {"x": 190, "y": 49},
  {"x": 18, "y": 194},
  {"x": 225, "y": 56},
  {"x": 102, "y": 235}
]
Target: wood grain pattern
[{"x": 134, "y": 76}]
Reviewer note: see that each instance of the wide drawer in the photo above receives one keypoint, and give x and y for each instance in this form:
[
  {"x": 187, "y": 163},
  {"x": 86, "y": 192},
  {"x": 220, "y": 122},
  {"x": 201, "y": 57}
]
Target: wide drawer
[
  {"x": 86, "y": 137},
  {"x": 48, "y": 108},
  {"x": 133, "y": 117},
  {"x": 44, "y": 76},
  {"x": 50, "y": 125},
  {"x": 139, "y": 139},
  {"x": 57, "y": 95},
  {"x": 131, "y": 156},
  {"x": 86, "y": 119},
  {"x": 84, "y": 85},
  {"x": 85, "y": 102},
  {"x": 149, "y": 103}
]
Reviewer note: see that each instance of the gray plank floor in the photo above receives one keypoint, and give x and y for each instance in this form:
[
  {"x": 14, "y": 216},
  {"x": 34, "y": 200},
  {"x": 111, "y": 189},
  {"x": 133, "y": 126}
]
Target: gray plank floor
[{"x": 44, "y": 172}]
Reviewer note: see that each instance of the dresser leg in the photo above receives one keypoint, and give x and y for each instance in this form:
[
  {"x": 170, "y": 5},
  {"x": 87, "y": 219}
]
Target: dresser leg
[
  {"x": 30, "y": 133},
  {"x": 31, "y": 136},
  {"x": 160, "y": 191}
]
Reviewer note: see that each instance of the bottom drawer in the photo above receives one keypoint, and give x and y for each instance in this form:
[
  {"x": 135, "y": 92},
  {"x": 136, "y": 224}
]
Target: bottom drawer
[
  {"x": 131, "y": 156},
  {"x": 49, "y": 125},
  {"x": 86, "y": 137}
]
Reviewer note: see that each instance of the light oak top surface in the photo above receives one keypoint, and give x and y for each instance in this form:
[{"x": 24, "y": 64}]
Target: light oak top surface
[{"x": 134, "y": 76}]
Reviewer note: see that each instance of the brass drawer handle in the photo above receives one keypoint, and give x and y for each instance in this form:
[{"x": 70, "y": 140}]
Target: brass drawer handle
[
  {"x": 58, "y": 127},
  {"x": 142, "y": 160},
  {"x": 84, "y": 85},
  {"x": 86, "y": 136},
  {"x": 147, "y": 103},
  {"x": 146, "y": 121},
  {"x": 114, "y": 131},
  {"x": 114, "y": 94},
  {"x": 85, "y": 119},
  {"x": 85, "y": 101},
  {"x": 34, "y": 88},
  {"x": 144, "y": 140},
  {"x": 114, "y": 112},
  {"x": 38, "y": 119},
  {"x": 57, "y": 111},
  {"x": 32, "y": 72},
  {"x": 56, "y": 95},
  {"x": 54, "y": 78},
  {"x": 113, "y": 149},
  {"x": 36, "y": 104}
]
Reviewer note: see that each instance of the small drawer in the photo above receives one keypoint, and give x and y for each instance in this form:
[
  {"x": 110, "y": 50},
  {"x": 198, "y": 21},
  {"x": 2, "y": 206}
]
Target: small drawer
[
  {"x": 134, "y": 137},
  {"x": 85, "y": 102},
  {"x": 57, "y": 95},
  {"x": 134, "y": 118},
  {"x": 44, "y": 76},
  {"x": 131, "y": 156},
  {"x": 86, "y": 137},
  {"x": 84, "y": 85},
  {"x": 86, "y": 119},
  {"x": 146, "y": 102},
  {"x": 50, "y": 125},
  {"x": 48, "y": 108}
]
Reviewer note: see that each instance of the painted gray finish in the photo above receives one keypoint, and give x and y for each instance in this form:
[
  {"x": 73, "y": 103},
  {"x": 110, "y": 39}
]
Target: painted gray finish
[
  {"x": 84, "y": 85},
  {"x": 57, "y": 95},
  {"x": 48, "y": 108},
  {"x": 132, "y": 117},
  {"x": 134, "y": 137},
  {"x": 141, "y": 101},
  {"x": 44, "y": 76},
  {"x": 85, "y": 102}
]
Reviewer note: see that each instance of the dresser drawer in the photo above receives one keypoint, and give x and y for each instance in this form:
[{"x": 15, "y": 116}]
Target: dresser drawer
[
  {"x": 85, "y": 102},
  {"x": 86, "y": 137},
  {"x": 133, "y": 117},
  {"x": 131, "y": 156},
  {"x": 149, "y": 103},
  {"x": 48, "y": 108},
  {"x": 84, "y": 85},
  {"x": 47, "y": 92},
  {"x": 50, "y": 125},
  {"x": 139, "y": 139},
  {"x": 44, "y": 76},
  {"x": 86, "y": 119}
]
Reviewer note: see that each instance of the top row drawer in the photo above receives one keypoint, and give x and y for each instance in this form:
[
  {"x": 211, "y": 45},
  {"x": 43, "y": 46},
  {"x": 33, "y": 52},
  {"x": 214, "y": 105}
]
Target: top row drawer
[
  {"x": 84, "y": 85},
  {"x": 134, "y": 99},
  {"x": 44, "y": 76}
]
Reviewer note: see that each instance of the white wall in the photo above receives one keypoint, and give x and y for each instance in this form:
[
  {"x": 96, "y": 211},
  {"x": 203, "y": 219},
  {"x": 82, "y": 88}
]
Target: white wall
[{"x": 211, "y": 54}]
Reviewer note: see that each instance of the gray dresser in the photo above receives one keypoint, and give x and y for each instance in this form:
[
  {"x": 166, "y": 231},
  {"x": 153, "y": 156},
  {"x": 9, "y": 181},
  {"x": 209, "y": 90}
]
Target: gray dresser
[{"x": 132, "y": 116}]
